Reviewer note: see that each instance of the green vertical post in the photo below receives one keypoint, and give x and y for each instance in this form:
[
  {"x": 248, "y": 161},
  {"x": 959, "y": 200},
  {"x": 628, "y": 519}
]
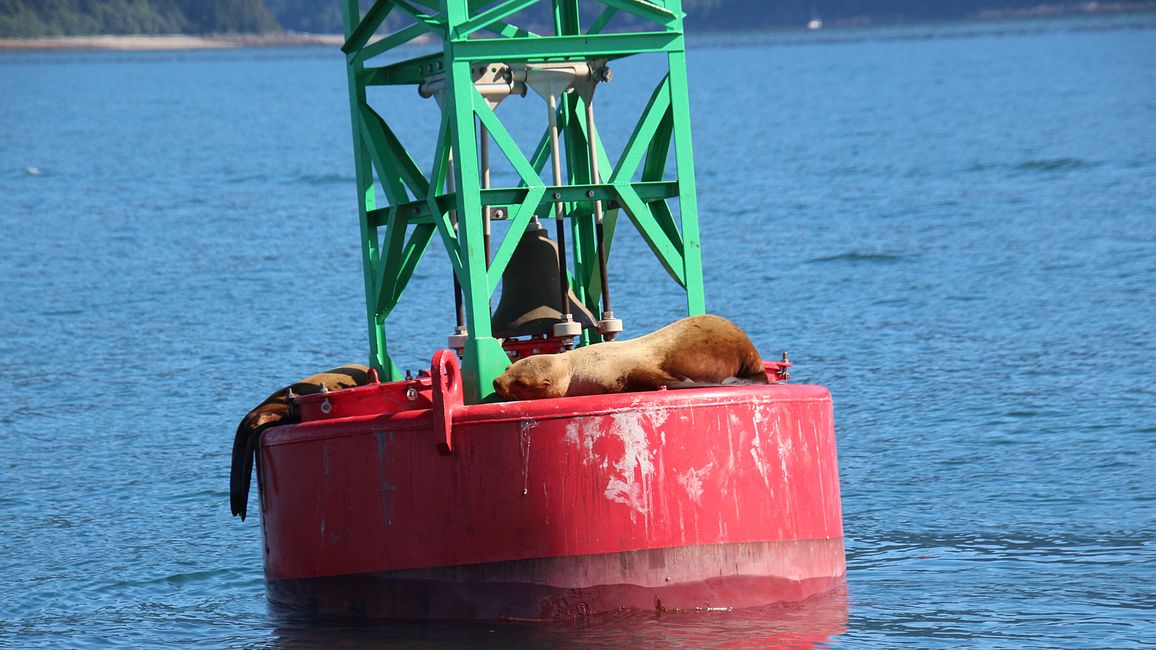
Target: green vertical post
[
  {"x": 367, "y": 201},
  {"x": 684, "y": 164},
  {"x": 483, "y": 358}
]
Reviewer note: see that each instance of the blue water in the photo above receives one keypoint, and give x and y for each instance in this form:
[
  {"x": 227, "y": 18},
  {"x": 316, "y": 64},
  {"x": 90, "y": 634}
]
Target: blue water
[{"x": 951, "y": 227}]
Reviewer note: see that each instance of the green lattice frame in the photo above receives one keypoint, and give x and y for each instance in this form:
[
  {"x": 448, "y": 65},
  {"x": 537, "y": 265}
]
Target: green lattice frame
[{"x": 391, "y": 248}]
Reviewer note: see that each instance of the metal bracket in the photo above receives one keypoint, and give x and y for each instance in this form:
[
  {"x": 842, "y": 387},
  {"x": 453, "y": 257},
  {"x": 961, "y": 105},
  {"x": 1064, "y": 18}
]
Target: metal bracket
[
  {"x": 446, "y": 374},
  {"x": 497, "y": 81}
]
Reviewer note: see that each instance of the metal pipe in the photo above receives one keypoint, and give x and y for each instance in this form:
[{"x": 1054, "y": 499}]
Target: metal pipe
[
  {"x": 487, "y": 211},
  {"x": 559, "y": 210},
  {"x": 459, "y": 305},
  {"x": 608, "y": 325}
]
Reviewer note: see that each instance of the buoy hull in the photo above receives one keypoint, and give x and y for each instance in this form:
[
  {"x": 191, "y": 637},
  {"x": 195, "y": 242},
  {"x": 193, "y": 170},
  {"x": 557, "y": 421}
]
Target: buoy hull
[{"x": 551, "y": 509}]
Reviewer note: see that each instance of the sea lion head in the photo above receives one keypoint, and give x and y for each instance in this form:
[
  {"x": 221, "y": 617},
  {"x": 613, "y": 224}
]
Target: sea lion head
[{"x": 536, "y": 377}]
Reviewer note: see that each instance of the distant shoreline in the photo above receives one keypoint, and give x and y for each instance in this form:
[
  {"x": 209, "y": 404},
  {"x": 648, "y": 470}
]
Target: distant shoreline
[
  {"x": 171, "y": 42},
  {"x": 140, "y": 42}
]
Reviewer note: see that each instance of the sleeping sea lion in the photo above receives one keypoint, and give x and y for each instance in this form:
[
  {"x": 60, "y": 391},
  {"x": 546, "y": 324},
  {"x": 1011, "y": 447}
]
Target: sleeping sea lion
[
  {"x": 276, "y": 410},
  {"x": 697, "y": 350}
]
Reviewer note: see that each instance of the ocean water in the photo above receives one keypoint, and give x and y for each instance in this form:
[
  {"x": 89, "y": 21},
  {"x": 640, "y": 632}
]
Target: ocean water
[{"x": 951, "y": 227}]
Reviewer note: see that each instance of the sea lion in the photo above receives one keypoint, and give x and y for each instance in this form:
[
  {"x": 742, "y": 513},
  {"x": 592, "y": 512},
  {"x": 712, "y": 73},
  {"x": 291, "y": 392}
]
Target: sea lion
[
  {"x": 276, "y": 410},
  {"x": 693, "y": 351}
]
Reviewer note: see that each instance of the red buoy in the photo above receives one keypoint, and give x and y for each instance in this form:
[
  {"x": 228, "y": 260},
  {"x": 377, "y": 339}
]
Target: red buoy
[{"x": 397, "y": 500}]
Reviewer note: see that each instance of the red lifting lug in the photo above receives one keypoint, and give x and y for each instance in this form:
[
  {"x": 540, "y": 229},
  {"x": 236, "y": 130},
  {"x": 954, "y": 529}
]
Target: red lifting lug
[{"x": 447, "y": 397}]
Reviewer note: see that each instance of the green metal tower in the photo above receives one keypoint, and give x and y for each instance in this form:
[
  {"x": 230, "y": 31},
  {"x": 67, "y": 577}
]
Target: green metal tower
[{"x": 485, "y": 57}]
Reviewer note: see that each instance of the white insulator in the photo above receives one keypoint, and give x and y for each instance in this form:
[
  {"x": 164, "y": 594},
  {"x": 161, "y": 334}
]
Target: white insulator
[
  {"x": 568, "y": 328},
  {"x": 610, "y": 326}
]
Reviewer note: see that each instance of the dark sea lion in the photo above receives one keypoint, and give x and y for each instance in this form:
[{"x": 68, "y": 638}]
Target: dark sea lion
[
  {"x": 697, "y": 350},
  {"x": 276, "y": 410}
]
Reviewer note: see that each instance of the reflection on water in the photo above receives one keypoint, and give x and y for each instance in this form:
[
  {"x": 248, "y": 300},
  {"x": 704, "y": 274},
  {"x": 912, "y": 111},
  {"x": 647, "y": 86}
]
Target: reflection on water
[{"x": 808, "y": 624}]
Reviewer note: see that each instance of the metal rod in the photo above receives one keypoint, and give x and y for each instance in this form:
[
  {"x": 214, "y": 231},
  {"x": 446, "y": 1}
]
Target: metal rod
[
  {"x": 459, "y": 305},
  {"x": 591, "y": 138},
  {"x": 487, "y": 211},
  {"x": 559, "y": 211}
]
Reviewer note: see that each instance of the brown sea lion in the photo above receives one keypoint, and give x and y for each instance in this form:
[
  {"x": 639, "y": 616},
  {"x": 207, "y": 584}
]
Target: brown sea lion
[
  {"x": 276, "y": 410},
  {"x": 697, "y": 350}
]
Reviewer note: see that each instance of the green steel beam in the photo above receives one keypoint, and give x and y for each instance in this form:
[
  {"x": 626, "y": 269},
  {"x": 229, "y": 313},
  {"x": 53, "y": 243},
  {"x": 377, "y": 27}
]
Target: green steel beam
[
  {"x": 668, "y": 251},
  {"x": 504, "y": 141},
  {"x": 412, "y": 71},
  {"x": 523, "y": 212},
  {"x": 490, "y": 17},
  {"x": 644, "y": 10},
  {"x": 366, "y": 202},
  {"x": 567, "y": 48},
  {"x": 366, "y": 27},
  {"x": 392, "y": 245},
  {"x": 599, "y": 23},
  {"x": 400, "y": 37},
  {"x": 688, "y": 196},
  {"x": 497, "y": 27},
  {"x": 433, "y": 21},
  {"x": 405, "y": 168},
  {"x": 508, "y": 199},
  {"x": 644, "y": 131}
]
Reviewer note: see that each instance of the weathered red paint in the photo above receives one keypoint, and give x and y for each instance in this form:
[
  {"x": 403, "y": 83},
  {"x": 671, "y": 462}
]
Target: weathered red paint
[{"x": 399, "y": 500}]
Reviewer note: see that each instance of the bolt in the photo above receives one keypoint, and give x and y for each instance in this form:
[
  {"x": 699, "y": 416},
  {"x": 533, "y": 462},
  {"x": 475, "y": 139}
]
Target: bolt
[{"x": 589, "y": 194}]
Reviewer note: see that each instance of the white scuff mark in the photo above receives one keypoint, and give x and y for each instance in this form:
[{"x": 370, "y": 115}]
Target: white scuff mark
[
  {"x": 758, "y": 415},
  {"x": 786, "y": 449},
  {"x": 730, "y": 468},
  {"x": 760, "y": 458},
  {"x": 524, "y": 430},
  {"x": 582, "y": 434},
  {"x": 691, "y": 481},
  {"x": 384, "y": 440},
  {"x": 630, "y": 482},
  {"x": 630, "y": 475},
  {"x": 546, "y": 500},
  {"x": 681, "y": 524}
]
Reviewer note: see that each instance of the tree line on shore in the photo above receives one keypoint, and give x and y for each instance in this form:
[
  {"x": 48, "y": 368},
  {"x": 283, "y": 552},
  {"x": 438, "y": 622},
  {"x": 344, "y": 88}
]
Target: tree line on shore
[{"x": 42, "y": 18}]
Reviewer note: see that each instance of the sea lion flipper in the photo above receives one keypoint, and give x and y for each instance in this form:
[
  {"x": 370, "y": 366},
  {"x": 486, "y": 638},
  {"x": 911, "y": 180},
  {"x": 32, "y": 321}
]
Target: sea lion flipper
[
  {"x": 650, "y": 378},
  {"x": 245, "y": 445},
  {"x": 278, "y": 409},
  {"x": 239, "y": 472}
]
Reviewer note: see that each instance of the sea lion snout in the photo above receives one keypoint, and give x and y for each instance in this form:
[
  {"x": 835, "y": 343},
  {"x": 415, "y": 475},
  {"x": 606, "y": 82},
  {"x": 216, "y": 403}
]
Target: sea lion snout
[
  {"x": 500, "y": 388},
  {"x": 535, "y": 377}
]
